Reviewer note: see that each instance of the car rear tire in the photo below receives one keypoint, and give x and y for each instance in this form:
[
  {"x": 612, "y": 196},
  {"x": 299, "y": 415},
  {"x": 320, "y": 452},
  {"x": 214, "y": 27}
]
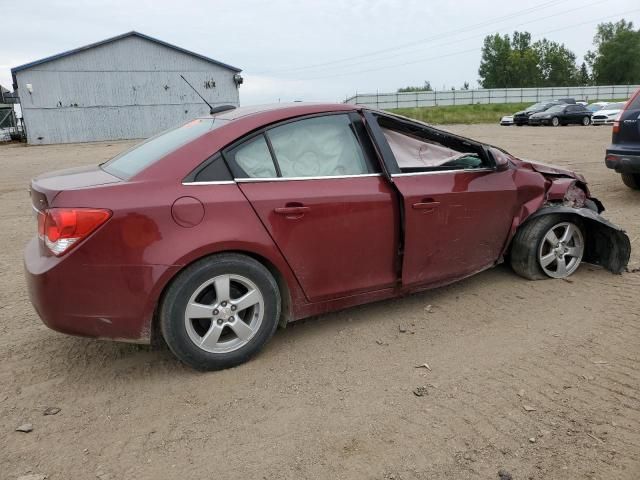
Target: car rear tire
[
  {"x": 549, "y": 246},
  {"x": 220, "y": 311},
  {"x": 586, "y": 121},
  {"x": 631, "y": 180},
  {"x": 555, "y": 121}
]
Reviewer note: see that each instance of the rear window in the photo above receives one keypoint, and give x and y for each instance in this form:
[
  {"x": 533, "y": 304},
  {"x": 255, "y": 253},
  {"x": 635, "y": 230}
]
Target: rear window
[{"x": 136, "y": 159}]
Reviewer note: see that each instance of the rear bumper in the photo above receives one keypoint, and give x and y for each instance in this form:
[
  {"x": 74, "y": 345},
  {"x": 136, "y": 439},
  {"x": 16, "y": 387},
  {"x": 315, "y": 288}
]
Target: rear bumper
[
  {"x": 83, "y": 298},
  {"x": 623, "y": 161}
]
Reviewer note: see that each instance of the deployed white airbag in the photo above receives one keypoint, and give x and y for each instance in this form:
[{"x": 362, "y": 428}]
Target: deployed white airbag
[{"x": 412, "y": 152}]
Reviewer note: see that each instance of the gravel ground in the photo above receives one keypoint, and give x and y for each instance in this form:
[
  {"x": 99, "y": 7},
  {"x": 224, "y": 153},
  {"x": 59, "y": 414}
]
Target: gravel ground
[{"x": 539, "y": 378}]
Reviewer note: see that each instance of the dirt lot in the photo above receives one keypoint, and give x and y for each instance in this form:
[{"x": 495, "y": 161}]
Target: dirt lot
[{"x": 332, "y": 397}]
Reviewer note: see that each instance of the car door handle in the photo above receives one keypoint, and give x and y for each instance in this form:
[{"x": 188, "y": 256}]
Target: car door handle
[
  {"x": 426, "y": 204},
  {"x": 292, "y": 211}
]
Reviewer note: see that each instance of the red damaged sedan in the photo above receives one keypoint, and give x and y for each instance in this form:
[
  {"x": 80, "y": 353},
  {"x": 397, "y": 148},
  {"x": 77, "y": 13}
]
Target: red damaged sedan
[{"x": 212, "y": 234}]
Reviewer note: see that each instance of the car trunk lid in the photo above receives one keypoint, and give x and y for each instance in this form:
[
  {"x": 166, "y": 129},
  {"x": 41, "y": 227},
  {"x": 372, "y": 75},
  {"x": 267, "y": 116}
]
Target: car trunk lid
[{"x": 45, "y": 188}]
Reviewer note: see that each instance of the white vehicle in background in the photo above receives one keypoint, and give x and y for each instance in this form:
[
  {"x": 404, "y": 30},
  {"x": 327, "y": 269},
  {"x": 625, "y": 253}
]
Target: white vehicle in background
[
  {"x": 506, "y": 120},
  {"x": 596, "y": 106},
  {"x": 608, "y": 114}
]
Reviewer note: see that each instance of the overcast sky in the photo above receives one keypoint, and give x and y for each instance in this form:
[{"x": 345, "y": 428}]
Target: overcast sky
[{"x": 311, "y": 50}]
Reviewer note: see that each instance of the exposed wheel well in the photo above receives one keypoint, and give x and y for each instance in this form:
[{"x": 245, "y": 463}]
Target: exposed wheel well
[
  {"x": 605, "y": 244},
  {"x": 285, "y": 294}
]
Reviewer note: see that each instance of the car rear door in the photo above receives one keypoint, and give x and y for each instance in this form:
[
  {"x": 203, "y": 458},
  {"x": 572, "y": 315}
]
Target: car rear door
[
  {"x": 456, "y": 222},
  {"x": 569, "y": 114},
  {"x": 315, "y": 186},
  {"x": 575, "y": 113}
]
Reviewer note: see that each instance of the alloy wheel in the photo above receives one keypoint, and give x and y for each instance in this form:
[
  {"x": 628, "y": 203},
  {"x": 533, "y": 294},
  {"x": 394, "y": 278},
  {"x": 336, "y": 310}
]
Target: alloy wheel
[
  {"x": 586, "y": 121},
  {"x": 561, "y": 250},
  {"x": 555, "y": 122},
  {"x": 224, "y": 313}
]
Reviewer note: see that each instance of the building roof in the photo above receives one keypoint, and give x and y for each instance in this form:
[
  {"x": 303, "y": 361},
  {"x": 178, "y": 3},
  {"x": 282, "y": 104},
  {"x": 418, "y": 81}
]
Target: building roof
[{"x": 113, "y": 39}]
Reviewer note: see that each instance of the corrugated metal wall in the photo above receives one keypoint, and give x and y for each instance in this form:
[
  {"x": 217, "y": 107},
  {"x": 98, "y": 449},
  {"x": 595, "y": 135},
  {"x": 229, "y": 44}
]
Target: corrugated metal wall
[{"x": 130, "y": 88}]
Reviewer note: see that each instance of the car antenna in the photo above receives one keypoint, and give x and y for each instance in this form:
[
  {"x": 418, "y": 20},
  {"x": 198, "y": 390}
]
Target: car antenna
[{"x": 211, "y": 109}]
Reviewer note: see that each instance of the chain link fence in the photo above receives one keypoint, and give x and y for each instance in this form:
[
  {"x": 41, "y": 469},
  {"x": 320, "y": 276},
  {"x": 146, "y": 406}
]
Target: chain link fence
[{"x": 387, "y": 101}]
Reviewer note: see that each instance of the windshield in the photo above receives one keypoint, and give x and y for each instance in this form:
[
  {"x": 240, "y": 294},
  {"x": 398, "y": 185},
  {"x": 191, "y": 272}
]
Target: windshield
[
  {"x": 556, "y": 108},
  {"x": 136, "y": 159},
  {"x": 535, "y": 106},
  {"x": 613, "y": 106}
]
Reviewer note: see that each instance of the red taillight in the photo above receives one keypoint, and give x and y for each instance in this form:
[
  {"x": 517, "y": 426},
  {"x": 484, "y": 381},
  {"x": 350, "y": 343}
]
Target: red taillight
[
  {"x": 61, "y": 228},
  {"x": 616, "y": 126}
]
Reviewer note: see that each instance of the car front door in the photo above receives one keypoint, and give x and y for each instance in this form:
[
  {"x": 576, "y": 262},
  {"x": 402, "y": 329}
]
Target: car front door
[
  {"x": 456, "y": 219},
  {"x": 316, "y": 188}
]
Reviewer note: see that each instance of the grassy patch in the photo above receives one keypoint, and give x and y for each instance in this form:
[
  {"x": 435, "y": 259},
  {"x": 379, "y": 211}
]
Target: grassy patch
[{"x": 450, "y": 114}]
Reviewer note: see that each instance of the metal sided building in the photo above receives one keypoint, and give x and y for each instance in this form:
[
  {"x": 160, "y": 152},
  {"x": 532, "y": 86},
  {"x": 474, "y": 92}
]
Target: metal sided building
[{"x": 124, "y": 87}]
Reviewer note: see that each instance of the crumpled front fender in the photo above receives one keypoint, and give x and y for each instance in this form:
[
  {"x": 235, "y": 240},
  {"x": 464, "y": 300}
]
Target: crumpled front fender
[{"x": 606, "y": 244}]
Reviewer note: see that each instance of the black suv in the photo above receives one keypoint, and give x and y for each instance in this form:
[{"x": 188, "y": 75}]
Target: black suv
[
  {"x": 522, "y": 117},
  {"x": 623, "y": 155}
]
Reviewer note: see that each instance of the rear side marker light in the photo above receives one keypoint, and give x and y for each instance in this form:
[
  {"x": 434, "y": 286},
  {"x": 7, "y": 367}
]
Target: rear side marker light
[
  {"x": 616, "y": 126},
  {"x": 62, "y": 228}
]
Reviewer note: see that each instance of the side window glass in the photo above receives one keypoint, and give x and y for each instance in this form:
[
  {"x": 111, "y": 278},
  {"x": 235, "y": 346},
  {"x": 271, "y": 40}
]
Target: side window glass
[
  {"x": 252, "y": 159},
  {"x": 318, "y": 147},
  {"x": 214, "y": 170}
]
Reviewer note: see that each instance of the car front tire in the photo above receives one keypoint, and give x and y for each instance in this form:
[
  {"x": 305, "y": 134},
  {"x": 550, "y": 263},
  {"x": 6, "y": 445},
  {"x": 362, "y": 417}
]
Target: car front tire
[
  {"x": 586, "y": 121},
  {"x": 555, "y": 121},
  {"x": 549, "y": 246},
  {"x": 631, "y": 180},
  {"x": 220, "y": 311}
]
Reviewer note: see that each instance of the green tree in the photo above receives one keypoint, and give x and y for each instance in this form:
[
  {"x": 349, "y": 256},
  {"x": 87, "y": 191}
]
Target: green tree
[
  {"x": 556, "y": 63},
  {"x": 523, "y": 62},
  {"x": 616, "y": 58},
  {"x": 495, "y": 71},
  {"x": 583, "y": 75},
  {"x": 517, "y": 62}
]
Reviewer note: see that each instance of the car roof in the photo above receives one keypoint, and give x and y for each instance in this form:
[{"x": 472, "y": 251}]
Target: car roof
[{"x": 284, "y": 110}]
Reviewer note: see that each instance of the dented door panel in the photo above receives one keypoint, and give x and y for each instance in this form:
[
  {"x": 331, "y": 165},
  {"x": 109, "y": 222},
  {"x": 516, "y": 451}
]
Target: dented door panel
[{"x": 464, "y": 229}]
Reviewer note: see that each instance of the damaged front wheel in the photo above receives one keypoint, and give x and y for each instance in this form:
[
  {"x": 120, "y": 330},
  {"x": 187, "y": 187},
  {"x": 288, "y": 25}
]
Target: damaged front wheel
[{"x": 548, "y": 246}]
